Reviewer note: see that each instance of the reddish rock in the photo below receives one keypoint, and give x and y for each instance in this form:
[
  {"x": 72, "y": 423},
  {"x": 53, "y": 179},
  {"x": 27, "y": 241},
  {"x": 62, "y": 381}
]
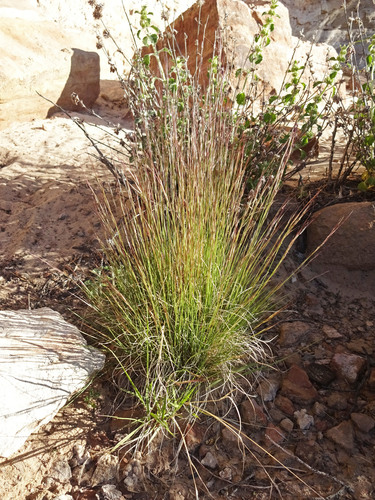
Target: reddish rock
[
  {"x": 342, "y": 435},
  {"x": 194, "y": 434},
  {"x": 364, "y": 422},
  {"x": 297, "y": 386},
  {"x": 293, "y": 332},
  {"x": 274, "y": 433},
  {"x": 285, "y": 405},
  {"x": 244, "y": 22},
  {"x": 348, "y": 366},
  {"x": 252, "y": 413},
  {"x": 294, "y": 358}
]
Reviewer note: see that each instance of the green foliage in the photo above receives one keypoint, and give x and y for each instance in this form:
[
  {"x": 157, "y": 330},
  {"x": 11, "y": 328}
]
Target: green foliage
[
  {"x": 364, "y": 120},
  {"x": 358, "y": 118}
]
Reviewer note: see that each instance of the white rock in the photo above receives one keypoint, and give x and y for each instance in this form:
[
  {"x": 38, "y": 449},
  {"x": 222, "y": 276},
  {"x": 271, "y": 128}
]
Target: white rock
[
  {"x": 304, "y": 420},
  {"x": 209, "y": 460},
  {"x": 43, "y": 361}
]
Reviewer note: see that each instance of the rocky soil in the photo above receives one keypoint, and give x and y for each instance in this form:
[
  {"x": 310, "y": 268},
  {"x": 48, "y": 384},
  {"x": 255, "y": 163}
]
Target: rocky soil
[{"x": 308, "y": 425}]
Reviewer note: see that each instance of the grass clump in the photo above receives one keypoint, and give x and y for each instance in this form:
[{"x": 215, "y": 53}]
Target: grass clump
[{"x": 192, "y": 251}]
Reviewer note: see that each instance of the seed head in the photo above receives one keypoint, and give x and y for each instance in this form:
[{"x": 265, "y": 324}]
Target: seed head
[{"x": 98, "y": 11}]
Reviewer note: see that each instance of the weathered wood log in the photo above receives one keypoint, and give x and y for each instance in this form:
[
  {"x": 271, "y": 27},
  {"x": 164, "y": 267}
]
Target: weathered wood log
[{"x": 43, "y": 361}]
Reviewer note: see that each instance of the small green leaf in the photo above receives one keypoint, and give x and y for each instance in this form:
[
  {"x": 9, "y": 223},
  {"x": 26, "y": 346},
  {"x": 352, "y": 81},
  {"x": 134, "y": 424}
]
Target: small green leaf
[
  {"x": 369, "y": 140},
  {"x": 153, "y": 38},
  {"x": 333, "y": 75},
  {"x": 269, "y": 117},
  {"x": 259, "y": 59},
  {"x": 146, "y": 60},
  {"x": 241, "y": 98}
]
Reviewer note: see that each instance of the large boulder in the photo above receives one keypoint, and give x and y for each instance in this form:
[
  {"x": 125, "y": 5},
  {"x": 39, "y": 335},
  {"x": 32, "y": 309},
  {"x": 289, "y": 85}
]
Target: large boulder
[
  {"x": 35, "y": 56},
  {"x": 43, "y": 361},
  {"x": 351, "y": 245},
  {"x": 326, "y": 21},
  {"x": 49, "y": 46},
  {"x": 239, "y": 21},
  {"x": 346, "y": 262}
]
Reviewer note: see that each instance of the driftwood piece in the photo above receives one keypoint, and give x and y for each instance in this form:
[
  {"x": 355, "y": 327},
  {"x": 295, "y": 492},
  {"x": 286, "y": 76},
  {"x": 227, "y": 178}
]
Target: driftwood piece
[{"x": 43, "y": 361}]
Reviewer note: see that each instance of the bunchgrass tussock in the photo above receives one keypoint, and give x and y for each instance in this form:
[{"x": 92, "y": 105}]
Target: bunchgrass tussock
[{"x": 191, "y": 250}]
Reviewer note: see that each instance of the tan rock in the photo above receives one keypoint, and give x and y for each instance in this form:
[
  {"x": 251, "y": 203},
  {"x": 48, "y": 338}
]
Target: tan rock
[
  {"x": 35, "y": 56},
  {"x": 326, "y": 21}
]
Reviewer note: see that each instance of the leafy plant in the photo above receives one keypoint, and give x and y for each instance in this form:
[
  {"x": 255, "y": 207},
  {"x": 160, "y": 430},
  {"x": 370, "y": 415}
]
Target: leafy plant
[{"x": 357, "y": 119}]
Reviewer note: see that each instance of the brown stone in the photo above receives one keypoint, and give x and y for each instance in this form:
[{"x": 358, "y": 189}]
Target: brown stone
[
  {"x": 352, "y": 244},
  {"x": 194, "y": 435},
  {"x": 321, "y": 374},
  {"x": 252, "y": 413},
  {"x": 274, "y": 433},
  {"x": 285, "y": 405},
  {"x": 364, "y": 422},
  {"x": 297, "y": 386},
  {"x": 287, "y": 425},
  {"x": 293, "y": 332},
  {"x": 336, "y": 401},
  {"x": 348, "y": 366},
  {"x": 321, "y": 425},
  {"x": 342, "y": 435}
]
